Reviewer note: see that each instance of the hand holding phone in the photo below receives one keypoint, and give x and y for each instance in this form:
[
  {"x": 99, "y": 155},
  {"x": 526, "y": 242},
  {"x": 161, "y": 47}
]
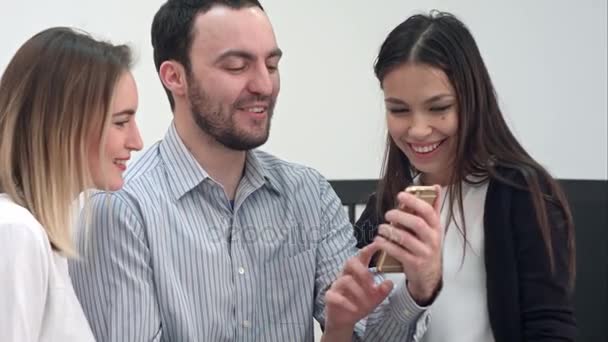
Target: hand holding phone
[
  {"x": 414, "y": 239},
  {"x": 387, "y": 263}
]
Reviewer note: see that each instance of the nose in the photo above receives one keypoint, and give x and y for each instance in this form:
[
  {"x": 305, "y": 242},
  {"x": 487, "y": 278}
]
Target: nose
[
  {"x": 261, "y": 81},
  {"x": 134, "y": 141},
  {"x": 419, "y": 127}
]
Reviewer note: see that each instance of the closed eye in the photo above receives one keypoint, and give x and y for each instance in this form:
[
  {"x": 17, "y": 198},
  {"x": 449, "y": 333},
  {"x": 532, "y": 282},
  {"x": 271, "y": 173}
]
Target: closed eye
[
  {"x": 440, "y": 108},
  {"x": 235, "y": 69},
  {"x": 122, "y": 118},
  {"x": 121, "y": 123},
  {"x": 398, "y": 110}
]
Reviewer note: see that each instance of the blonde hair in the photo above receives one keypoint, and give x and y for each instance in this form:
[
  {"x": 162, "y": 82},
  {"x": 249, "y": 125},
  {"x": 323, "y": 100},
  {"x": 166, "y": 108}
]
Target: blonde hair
[{"x": 55, "y": 97}]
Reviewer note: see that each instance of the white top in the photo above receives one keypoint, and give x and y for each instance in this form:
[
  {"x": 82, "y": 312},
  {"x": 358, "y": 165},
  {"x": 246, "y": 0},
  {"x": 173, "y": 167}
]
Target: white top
[
  {"x": 37, "y": 301},
  {"x": 460, "y": 311}
]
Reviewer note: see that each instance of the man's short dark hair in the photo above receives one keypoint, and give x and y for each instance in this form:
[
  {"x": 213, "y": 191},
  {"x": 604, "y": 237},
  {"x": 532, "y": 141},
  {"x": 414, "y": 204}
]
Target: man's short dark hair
[{"x": 172, "y": 29}]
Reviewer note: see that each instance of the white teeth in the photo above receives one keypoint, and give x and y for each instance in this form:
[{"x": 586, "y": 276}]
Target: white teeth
[
  {"x": 120, "y": 162},
  {"x": 425, "y": 149},
  {"x": 255, "y": 109}
]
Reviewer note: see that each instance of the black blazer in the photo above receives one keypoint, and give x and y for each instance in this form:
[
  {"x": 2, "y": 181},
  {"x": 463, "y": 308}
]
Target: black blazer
[{"x": 526, "y": 301}]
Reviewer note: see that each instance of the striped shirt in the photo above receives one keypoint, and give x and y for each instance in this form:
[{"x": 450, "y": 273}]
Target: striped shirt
[{"x": 168, "y": 258}]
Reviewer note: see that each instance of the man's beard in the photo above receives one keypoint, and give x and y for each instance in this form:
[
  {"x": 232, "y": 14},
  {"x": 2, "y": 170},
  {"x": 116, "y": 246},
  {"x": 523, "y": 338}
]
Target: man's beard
[{"x": 219, "y": 122}]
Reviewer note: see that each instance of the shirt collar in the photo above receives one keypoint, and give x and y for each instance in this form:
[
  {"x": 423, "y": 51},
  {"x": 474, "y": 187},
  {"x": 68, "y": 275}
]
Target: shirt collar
[
  {"x": 184, "y": 173},
  {"x": 258, "y": 172}
]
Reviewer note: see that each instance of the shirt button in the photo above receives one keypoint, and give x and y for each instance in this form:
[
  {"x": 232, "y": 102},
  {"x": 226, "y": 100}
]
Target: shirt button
[
  {"x": 241, "y": 270},
  {"x": 246, "y": 324}
]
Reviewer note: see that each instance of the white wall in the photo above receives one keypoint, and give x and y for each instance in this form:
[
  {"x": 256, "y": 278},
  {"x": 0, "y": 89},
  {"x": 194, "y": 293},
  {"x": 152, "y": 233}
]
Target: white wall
[{"x": 547, "y": 58}]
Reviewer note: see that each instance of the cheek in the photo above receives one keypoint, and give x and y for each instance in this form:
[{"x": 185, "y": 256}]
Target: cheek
[
  {"x": 276, "y": 81},
  {"x": 113, "y": 143},
  {"x": 395, "y": 135},
  {"x": 448, "y": 124},
  {"x": 397, "y": 128},
  {"x": 450, "y": 129},
  {"x": 223, "y": 89},
  {"x": 108, "y": 153}
]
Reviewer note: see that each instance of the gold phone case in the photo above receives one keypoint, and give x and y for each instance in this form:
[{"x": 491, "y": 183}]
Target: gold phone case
[{"x": 388, "y": 264}]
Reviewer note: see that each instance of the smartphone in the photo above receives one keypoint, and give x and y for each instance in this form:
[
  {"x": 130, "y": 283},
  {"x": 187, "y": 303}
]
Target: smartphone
[{"x": 388, "y": 264}]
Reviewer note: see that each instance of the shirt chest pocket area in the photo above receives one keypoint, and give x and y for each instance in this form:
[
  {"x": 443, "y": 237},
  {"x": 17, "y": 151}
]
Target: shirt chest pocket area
[{"x": 289, "y": 280}]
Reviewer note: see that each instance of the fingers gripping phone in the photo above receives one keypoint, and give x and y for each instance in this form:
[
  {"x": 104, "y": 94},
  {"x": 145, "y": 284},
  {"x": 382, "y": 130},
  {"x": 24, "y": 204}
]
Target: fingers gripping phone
[{"x": 387, "y": 263}]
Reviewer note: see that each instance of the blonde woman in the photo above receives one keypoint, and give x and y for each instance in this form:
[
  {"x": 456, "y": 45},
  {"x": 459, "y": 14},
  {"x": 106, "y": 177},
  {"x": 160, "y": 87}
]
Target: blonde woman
[{"x": 67, "y": 105}]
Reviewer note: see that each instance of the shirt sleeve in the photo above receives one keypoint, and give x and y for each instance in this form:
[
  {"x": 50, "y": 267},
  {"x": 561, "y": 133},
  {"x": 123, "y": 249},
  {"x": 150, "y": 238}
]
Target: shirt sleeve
[
  {"x": 24, "y": 272},
  {"x": 398, "y": 318},
  {"x": 113, "y": 279}
]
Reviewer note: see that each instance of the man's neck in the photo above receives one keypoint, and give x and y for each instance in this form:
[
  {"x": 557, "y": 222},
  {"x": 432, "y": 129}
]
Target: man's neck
[{"x": 224, "y": 165}]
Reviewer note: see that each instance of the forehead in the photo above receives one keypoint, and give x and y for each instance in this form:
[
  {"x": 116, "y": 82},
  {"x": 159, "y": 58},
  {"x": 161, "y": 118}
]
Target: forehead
[
  {"x": 125, "y": 92},
  {"x": 417, "y": 80},
  {"x": 222, "y": 28}
]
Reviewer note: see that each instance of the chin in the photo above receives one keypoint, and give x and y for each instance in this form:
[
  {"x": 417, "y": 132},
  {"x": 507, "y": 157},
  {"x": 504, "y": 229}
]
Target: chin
[
  {"x": 112, "y": 185},
  {"x": 115, "y": 186},
  {"x": 425, "y": 168}
]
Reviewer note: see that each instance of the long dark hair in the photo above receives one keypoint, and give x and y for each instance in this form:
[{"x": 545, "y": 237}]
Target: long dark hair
[{"x": 485, "y": 144}]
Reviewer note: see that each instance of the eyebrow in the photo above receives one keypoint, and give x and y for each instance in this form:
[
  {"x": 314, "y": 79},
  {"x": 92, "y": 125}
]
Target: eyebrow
[
  {"x": 247, "y": 55},
  {"x": 437, "y": 97},
  {"x": 125, "y": 112},
  {"x": 393, "y": 100},
  {"x": 396, "y": 101}
]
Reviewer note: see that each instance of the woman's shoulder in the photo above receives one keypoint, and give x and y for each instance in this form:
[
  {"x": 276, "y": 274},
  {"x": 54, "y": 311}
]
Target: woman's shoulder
[
  {"x": 519, "y": 175},
  {"x": 19, "y": 228},
  {"x": 516, "y": 189}
]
